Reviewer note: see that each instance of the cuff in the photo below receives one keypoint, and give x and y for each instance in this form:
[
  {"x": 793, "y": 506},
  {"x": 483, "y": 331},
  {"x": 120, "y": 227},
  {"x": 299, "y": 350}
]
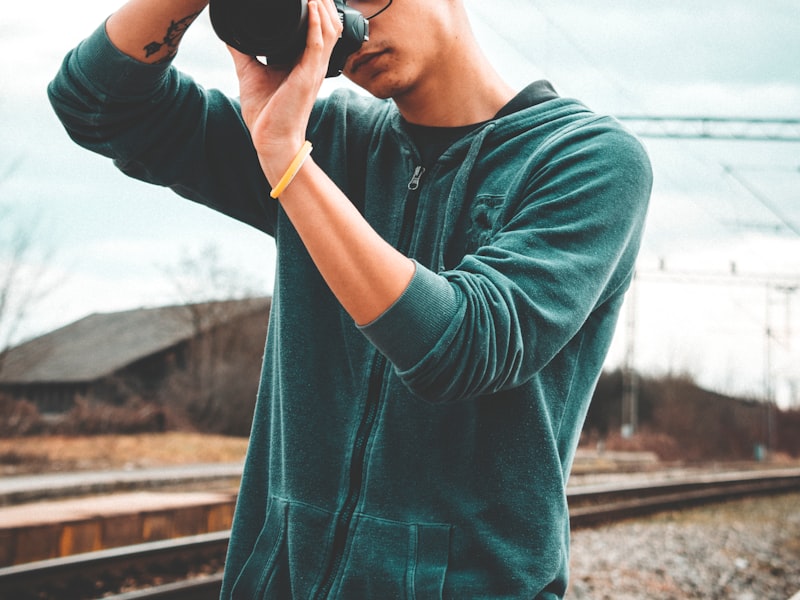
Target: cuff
[{"x": 409, "y": 329}]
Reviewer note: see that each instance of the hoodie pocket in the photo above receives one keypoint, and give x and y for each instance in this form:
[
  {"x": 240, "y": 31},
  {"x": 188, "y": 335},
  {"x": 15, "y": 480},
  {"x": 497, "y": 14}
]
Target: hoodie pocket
[
  {"x": 265, "y": 574},
  {"x": 484, "y": 217},
  {"x": 393, "y": 560},
  {"x": 383, "y": 559}
]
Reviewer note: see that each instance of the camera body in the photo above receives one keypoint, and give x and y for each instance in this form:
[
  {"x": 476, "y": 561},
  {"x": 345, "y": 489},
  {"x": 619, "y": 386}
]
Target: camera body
[{"x": 276, "y": 29}]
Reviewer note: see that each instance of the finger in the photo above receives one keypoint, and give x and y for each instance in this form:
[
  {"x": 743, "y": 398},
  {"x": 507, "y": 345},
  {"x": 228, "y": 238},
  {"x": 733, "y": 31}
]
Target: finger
[
  {"x": 333, "y": 13},
  {"x": 324, "y": 28},
  {"x": 333, "y": 18},
  {"x": 315, "y": 40}
]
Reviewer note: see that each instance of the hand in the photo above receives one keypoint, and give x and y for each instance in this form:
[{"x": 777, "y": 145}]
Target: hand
[{"x": 277, "y": 102}]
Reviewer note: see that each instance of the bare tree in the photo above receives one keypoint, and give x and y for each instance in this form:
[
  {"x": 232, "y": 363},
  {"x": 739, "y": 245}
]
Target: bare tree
[
  {"x": 24, "y": 270},
  {"x": 219, "y": 379}
]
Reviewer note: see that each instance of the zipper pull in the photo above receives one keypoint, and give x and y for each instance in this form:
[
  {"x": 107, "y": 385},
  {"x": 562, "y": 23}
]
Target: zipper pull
[{"x": 414, "y": 183}]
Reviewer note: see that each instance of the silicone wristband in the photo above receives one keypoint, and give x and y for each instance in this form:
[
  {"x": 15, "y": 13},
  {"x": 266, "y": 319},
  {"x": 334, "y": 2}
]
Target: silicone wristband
[{"x": 292, "y": 170}]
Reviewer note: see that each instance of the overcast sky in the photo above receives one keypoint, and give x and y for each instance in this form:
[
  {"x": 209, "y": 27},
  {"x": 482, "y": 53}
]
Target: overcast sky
[{"x": 714, "y": 203}]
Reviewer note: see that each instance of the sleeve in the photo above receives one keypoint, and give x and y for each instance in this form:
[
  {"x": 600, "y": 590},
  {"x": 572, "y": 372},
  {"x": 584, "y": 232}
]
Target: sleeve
[
  {"x": 159, "y": 126},
  {"x": 507, "y": 310}
]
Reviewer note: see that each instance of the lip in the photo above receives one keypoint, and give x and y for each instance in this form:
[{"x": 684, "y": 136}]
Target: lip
[{"x": 364, "y": 59}]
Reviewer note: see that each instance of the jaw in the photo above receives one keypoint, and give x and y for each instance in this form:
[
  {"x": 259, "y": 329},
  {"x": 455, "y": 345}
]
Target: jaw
[
  {"x": 442, "y": 78},
  {"x": 381, "y": 75}
]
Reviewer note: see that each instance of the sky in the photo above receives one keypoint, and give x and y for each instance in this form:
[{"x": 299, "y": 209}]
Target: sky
[{"x": 105, "y": 242}]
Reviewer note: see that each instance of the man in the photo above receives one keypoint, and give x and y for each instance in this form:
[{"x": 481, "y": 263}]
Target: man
[{"x": 451, "y": 264}]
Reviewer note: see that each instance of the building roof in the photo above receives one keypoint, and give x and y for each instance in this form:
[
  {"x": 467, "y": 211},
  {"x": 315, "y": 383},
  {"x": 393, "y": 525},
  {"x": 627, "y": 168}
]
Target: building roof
[{"x": 103, "y": 343}]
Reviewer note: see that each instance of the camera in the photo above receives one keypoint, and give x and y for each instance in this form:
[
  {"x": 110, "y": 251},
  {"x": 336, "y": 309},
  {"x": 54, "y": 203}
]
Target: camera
[{"x": 276, "y": 29}]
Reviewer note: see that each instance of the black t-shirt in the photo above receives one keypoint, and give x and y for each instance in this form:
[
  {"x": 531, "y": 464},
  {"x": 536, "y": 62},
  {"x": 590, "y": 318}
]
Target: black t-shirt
[{"x": 433, "y": 141}]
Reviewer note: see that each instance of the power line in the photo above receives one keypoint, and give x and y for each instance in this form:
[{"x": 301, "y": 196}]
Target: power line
[
  {"x": 587, "y": 56},
  {"x": 715, "y": 128},
  {"x": 724, "y": 128},
  {"x": 786, "y": 284},
  {"x": 661, "y": 126},
  {"x": 766, "y": 202},
  {"x": 732, "y": 277}
]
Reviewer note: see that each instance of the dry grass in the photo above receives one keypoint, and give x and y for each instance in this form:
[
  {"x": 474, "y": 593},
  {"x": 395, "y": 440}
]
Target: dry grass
[{"x": 62, "y": 453}]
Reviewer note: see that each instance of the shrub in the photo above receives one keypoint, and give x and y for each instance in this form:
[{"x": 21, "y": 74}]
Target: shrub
[
  {"x": 95, "y": 418},
  {"x": 19, "y": 417}
]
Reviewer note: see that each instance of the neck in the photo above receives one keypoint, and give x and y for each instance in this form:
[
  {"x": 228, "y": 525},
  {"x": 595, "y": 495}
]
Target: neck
[{"x": 465, "y": 89}]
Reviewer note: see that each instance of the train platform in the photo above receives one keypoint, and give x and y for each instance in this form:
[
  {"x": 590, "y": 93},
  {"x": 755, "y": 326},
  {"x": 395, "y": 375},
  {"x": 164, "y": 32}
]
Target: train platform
[
  {"x": 58, "y": 514},
  {"x": 18, "y": 489},
  {"x": 54, "y": 528}
]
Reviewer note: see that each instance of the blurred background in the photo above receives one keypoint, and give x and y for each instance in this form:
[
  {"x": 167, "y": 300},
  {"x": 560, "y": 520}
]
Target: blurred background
[
  {"x": 132, "y": 321},
  {"x": 714, "y": 93}
]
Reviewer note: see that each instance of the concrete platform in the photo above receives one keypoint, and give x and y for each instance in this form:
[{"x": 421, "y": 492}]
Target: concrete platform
[
  {"x": 54, "y": 528},
  {"x": 17, "y": 489}
]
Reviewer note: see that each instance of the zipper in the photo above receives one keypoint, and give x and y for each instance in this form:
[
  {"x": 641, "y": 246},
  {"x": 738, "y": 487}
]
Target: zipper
[
  {"x": 357, "y": 464},
  {"x": 367, "y": 424},
  {"x": 410, "y": 211},
  {"x": 418, "y": 172}
]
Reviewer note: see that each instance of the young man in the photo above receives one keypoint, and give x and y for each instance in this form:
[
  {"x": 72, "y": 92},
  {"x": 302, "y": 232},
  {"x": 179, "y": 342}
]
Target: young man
[{"x": 451, "y": 264}]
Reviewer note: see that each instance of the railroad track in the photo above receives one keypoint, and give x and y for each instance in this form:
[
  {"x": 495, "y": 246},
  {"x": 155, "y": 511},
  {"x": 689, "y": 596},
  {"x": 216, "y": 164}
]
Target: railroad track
[
  {"x": 593, "y": 505},
  {"x": 90, "y": 575},
  {"x": 77, "y": 577}
]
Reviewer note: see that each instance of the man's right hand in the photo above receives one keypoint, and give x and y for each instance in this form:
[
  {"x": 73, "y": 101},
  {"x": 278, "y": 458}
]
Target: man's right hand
[{"x": 276, "y": 101}]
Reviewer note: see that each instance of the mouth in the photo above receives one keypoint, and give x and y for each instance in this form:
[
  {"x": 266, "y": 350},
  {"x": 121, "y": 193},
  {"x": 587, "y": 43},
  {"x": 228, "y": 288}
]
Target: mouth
[{"x": 361, "y": 61}]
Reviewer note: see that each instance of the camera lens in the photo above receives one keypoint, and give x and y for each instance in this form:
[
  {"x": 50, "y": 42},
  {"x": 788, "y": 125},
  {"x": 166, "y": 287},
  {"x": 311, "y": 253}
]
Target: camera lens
[
  {"x": 276, "y": 29},
  {"x": 272, "y": 28}
]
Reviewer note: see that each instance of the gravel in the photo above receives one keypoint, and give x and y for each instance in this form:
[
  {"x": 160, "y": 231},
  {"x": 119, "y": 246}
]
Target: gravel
[{"x": 741, "y": 550}]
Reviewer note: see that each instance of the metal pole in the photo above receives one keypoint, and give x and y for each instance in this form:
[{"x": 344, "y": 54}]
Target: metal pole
[{"x": 630, "y": 383}]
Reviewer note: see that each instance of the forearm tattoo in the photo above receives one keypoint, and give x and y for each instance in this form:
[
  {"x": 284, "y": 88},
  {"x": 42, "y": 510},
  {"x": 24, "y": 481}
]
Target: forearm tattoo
[{"x": 171, "y": 39}]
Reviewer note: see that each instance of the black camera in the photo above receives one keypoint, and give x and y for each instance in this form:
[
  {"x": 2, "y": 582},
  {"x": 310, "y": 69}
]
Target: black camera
[{"x": 276, "y": 29}]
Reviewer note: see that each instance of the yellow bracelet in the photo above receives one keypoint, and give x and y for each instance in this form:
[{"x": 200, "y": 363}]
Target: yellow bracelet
[{"x": 293, "y": 169}]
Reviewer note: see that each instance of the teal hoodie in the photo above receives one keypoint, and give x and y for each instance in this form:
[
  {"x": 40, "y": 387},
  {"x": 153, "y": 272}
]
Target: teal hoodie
[{"x": 426, "y": 454}]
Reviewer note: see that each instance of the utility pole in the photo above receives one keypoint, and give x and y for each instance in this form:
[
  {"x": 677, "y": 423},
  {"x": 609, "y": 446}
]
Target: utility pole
[
  {"x": 772, "y": 283},
  {"x": 630, "y": 380},
  {"x": 768, "y": 387},
  {"x": 771, "y": 336}
]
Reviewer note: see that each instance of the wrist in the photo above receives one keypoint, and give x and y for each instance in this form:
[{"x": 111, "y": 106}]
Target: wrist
[
  {"x": 291, "y": 170},
  {"x": 277, "y": 157}
]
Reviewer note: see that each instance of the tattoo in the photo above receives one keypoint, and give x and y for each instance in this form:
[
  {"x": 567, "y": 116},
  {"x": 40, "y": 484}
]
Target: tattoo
[{"x": 171, "y": 39}]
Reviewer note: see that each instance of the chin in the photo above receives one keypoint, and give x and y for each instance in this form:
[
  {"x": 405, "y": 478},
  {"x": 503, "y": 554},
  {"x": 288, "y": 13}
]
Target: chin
[
  {"x": 380, "y": 93},
  {"x": 383, "y": 79},
  {"x": 383, "y": 86}
]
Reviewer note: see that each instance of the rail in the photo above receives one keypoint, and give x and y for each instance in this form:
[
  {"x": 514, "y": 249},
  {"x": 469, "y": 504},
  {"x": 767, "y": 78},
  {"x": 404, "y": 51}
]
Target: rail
[
  {"x": 593, "y": 505},
  {"x": 81, "y": 576},
  {"x": 92, "y": 574}
]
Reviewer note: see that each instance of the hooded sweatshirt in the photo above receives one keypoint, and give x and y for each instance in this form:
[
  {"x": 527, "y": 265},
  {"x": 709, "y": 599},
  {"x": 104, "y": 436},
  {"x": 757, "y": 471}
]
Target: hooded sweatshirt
[{"x": 426, "y": 454}]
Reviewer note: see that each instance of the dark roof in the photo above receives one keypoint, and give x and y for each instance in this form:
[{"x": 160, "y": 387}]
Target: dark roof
[{"x": 102, "y": 343}]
